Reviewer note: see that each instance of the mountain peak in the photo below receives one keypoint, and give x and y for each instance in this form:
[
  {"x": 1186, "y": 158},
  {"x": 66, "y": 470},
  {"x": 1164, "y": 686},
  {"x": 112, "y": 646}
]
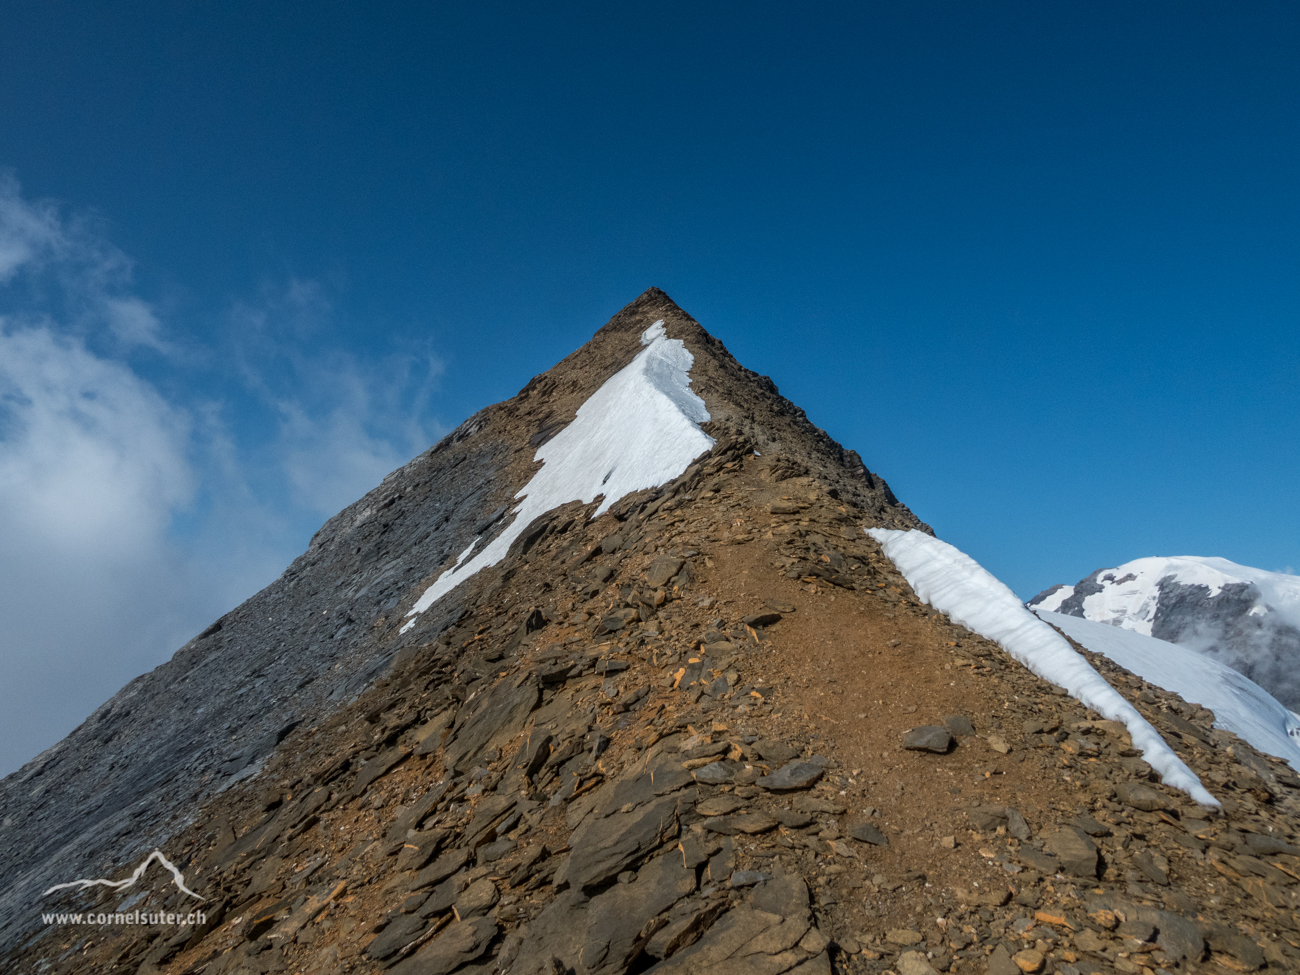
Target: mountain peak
[{"x": 620, "y": 677}]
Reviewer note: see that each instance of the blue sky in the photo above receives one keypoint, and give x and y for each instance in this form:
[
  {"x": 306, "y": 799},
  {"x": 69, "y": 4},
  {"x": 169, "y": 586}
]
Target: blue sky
[{"x": 1037, "y": 263}]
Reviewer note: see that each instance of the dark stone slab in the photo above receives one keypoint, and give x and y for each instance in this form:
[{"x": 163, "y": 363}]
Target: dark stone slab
[
  {"x": 959, "y": 725},
  {"x": 791, "y": 777},
  {"x": 460, "y": 943},
  {"x": 441, "y": 868},
  {"x": 604, "y": 847},
  {"x": 866, "y": 833},
  {"x": 400, "y": 932},
  {"x": 500, "y": 716},
  {"x": 616, "y": 919},
  {"x": 1075, "y": 849},
  {"x": 928, "y": 738}
]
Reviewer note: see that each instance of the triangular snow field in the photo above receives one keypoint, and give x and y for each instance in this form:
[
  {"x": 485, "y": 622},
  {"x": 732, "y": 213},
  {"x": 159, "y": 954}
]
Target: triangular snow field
[{"x": 639, "y": 430}]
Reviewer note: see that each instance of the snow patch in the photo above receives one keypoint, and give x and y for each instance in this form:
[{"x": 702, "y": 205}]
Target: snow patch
[
  {"x": 1053, "y": 602},
  {"x": 461, "y": 557},
  {"x": 954, "y": 583},
  {"x": 639, "y": 430},
  {"x": 1239, "y": 704}
]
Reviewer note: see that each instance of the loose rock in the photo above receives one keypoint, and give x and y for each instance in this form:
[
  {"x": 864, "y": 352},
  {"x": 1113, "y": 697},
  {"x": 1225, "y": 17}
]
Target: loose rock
[{"x": 928, "y": 738}]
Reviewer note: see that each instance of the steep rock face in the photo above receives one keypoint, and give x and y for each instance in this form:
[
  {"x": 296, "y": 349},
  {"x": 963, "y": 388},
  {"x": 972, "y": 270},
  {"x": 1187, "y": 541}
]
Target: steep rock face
[
  {"x": 1247, "y": 619},
  {"x": 145, "y": 762}
]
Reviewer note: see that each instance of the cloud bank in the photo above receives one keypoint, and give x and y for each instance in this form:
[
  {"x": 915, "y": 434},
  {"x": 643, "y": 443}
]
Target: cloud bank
[{"x": 131, "y": 517}]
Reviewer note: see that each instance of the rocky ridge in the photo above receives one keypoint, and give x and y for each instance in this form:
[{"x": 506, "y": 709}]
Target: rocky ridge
[{"x": 712, "y": 730}]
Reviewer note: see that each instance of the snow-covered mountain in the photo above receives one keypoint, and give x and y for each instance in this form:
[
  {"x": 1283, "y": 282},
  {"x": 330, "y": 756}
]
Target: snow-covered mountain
[{"x": 1244, "y": 618}]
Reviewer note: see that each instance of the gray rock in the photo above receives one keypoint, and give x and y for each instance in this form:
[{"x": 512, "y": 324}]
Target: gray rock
[
  {"x": 661, "y": 571},
  {"x": 744, "y": 941},
  {"x": 418, "y": 850},
  {"x": 490, "y": 812},
  {"x": 1075, "y": 849},
  {"x": 1016, "y": 825},
  {"x": 1091, "y": 826},
  {"x": 443, "y": 897},
  {"x": 723, "y": 863},
  {"x": 1153, "y": 866},
  {"x": 494, "y": 722},
  {"x": 428, "y": 738},
  {"x": 604, "y": 847},
  {"x": 791, "y": 819},
  {"x": 682, "y": 932},
  {"x": 819, "y": 805},
  {"x": 491, "y": 852},
  {"x": 476, "y": 899},
  {"x": 556, "y": 934},
  {"x": 785, "y": 896},
  {"x": 617, "y": 917},
  {"x": 1000, "y": 963},
  {"x": 1179, "y": 937},
  {"x": 1138, "y": 929},
  {"x": 746, "y": 878},
  {"x": 460, "y": 943},
  {"x": 639, "y": 785},
  {"x": 775, "y": 752},
  {"x": 378, "y": 766},
  {"x": 1039, "y": 861},
  {"x": 959, "y": 725},
  {"x": 866, "y": 833},
  {"x": 914, "y": 963},
  {"x": 1263, "y": 845},
  {"x": 617, "y": 620},
  {"x": 707, "y": 750},
  {"x": 751, "y": 824},
  {"x": 441, "y": 868},
  {"x": 1141, "y": 797},
  {"x": 401, "y": 931},
  {"x": 989, "y": 818},
  {"x": 715, "y": 773},
  {"x": 928, "y": 738},
  {"x": 791, "y": 777},
  {"x": 719, "y": 805}
]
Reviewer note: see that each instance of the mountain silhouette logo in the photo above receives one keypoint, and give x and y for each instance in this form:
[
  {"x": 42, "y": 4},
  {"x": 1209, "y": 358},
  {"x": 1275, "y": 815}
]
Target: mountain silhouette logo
[{"x": 177, "y": 877}]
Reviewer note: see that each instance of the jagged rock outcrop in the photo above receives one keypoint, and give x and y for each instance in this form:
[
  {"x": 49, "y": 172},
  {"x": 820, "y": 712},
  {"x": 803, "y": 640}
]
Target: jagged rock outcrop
[{"x": 671, "y": 739}]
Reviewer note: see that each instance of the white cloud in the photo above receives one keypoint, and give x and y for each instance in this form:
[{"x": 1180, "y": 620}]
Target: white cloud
[
  {"x": 133, "y": 322},
  {"x": 92, "y": 466},
  {"x": 91, "y": 279},
  {"x": 343, "y": 423},
  {"x": 93, "y": 458},
  {"x": 26, "y": 230},
  {"x": 337, "y": 451},
  {"x": 128, "y": 520}
]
